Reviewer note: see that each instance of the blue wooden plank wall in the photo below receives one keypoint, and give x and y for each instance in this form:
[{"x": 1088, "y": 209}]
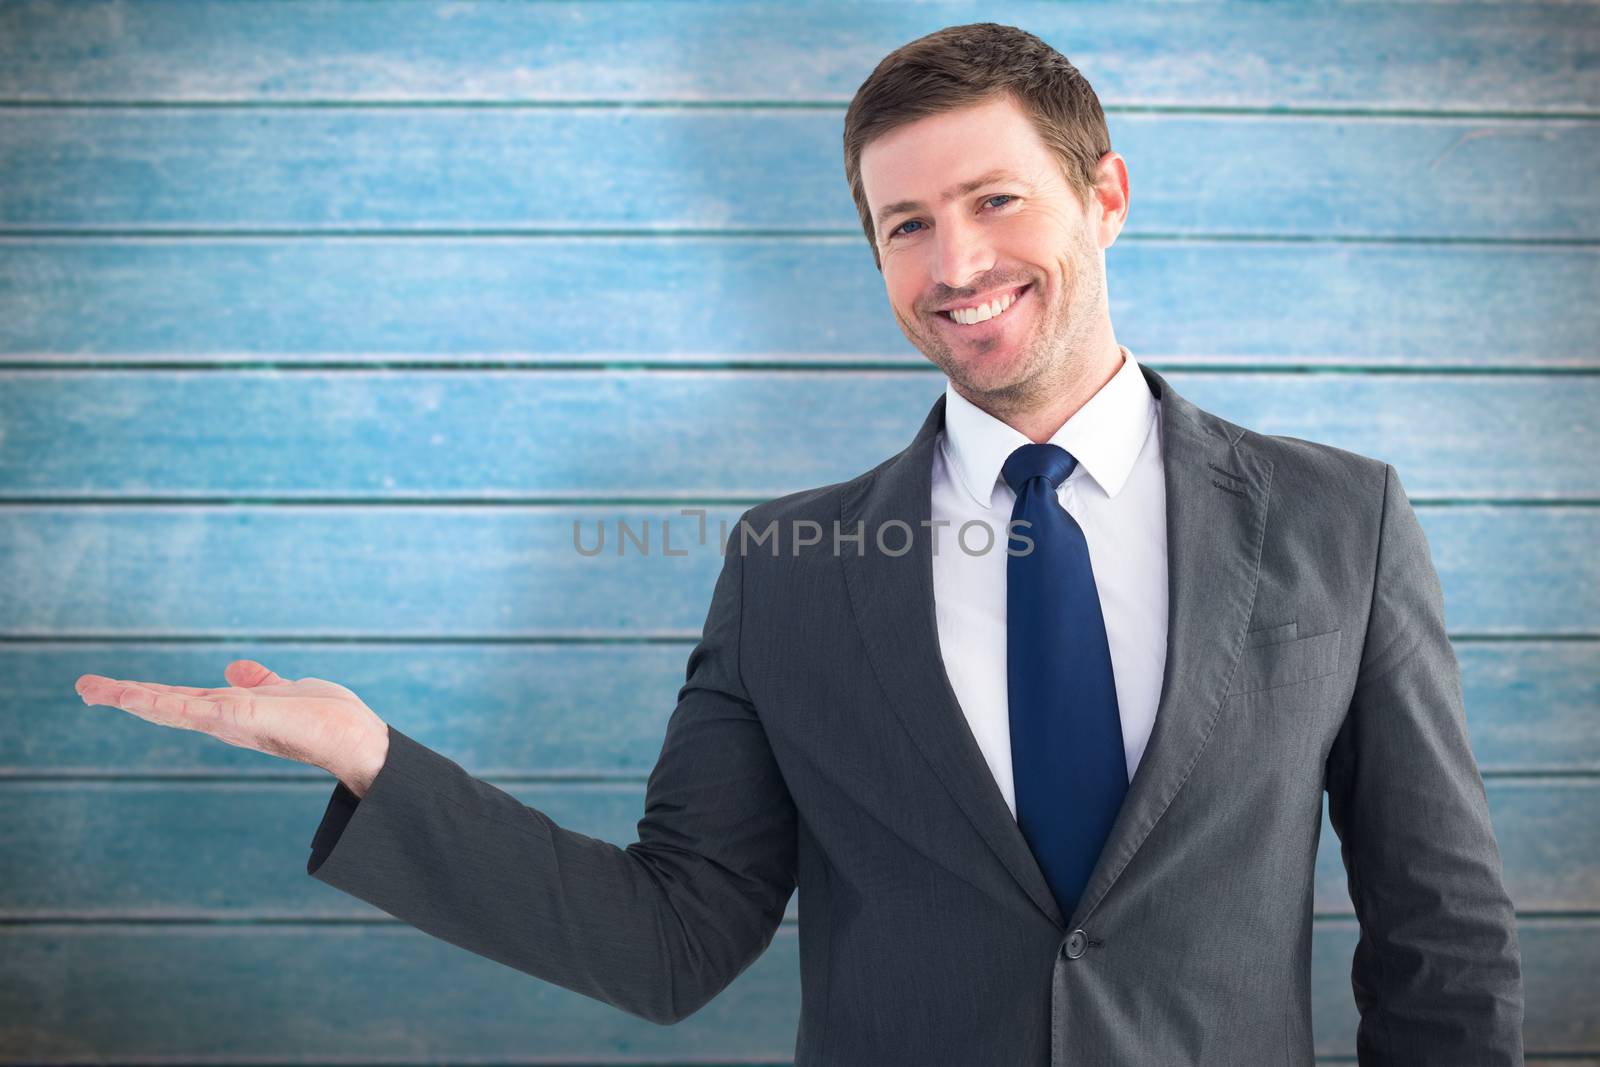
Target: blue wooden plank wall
[{"x": 320, "y": 323}]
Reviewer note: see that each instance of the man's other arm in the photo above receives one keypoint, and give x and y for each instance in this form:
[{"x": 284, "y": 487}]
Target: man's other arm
[
  {"x": 657, "y": 928},
  {"x": 1437, "y": 972}
]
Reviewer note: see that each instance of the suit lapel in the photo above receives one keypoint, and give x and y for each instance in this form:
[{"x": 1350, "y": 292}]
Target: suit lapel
[
  {"x": 1216, "y": 489},
  {"x": 892, "y": 597}
]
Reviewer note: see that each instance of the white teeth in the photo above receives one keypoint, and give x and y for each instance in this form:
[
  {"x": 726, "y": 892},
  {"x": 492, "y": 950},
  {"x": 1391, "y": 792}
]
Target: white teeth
[{"x": 983, "y": 312}]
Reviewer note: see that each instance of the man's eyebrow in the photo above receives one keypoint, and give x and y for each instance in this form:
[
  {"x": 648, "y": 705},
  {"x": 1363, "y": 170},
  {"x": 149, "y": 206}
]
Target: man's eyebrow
[{"x": 902, "y": 206}]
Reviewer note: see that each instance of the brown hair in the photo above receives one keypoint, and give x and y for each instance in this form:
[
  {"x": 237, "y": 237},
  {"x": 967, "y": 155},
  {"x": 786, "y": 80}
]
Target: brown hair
[{"x": 962, "y": 66}]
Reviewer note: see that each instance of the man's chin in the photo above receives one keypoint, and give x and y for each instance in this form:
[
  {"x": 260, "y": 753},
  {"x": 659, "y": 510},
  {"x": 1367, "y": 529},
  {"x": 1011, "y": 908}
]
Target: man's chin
[{"x": 984, "y": 372}]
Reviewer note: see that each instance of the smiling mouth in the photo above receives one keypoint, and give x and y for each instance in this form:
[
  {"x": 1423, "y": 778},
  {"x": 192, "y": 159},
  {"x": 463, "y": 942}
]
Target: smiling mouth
[{"x": 945, "y": 315}]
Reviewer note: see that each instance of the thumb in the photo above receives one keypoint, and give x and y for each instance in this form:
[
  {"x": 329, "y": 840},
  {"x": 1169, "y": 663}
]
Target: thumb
[{"x": 247, "y": 673}]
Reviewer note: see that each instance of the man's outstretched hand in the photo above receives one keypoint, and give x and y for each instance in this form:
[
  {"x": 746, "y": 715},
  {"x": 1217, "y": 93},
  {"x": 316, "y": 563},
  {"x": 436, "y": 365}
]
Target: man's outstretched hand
[{"x": 309, "y": 720}]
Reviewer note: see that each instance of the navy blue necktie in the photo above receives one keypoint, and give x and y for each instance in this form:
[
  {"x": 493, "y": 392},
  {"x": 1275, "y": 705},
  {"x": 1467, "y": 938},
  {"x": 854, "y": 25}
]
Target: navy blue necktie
[{"x": 1068, "y": 766}]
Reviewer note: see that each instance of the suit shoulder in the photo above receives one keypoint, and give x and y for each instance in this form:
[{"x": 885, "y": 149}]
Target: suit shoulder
[
  {"x": 1302, "y": 470},
  {"x": 797, "y": 531},
  {"x": 1333, "y": 474},
  {"x": 819, "y": 504}
]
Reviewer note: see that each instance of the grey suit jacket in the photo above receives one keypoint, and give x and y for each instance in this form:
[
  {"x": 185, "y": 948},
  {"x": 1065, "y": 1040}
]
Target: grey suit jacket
[{"x": 816, "y": 741}]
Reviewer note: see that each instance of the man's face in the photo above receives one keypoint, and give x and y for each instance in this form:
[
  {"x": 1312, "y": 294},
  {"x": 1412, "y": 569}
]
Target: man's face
[{"x": 1027, "y": 229}]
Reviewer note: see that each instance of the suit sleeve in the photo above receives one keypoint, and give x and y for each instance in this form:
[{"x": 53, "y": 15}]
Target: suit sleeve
[
  {"x": 656, "y": 928},
  {"x": 1437, "y": 972}
]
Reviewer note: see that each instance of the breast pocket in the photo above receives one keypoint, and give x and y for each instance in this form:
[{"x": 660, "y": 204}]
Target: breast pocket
[{"x": 1269, "y": 663}]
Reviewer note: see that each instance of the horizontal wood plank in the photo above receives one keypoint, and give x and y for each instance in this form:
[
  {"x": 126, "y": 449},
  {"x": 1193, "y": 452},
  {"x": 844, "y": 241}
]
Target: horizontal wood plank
[
  {"x": 606, "y": 300},
  {"x": 681, "y": 434},
  {"x": 1427, "y": 56},
  {"x": 762, "y": 169}
]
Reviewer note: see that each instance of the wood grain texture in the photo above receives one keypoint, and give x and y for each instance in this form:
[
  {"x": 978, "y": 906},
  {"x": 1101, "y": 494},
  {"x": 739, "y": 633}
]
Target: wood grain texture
[
  {"x": 566, "y": 170},
  {"x": 507, "y": 435},
  {"x": 779, "y": 301},
  {"x": 1509, "y": 57}
]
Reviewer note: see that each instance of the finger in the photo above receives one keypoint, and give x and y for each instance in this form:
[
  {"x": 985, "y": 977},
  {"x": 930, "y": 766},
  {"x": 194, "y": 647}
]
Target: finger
[
  {"x": 168, "y": 709},
  {"x": 182, "y": 690},
  {"x": 249, "y": 674},
  {"x": 185, "y": 690}
]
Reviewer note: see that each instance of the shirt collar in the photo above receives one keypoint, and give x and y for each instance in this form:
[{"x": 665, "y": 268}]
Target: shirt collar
[{"x": 1105, "y": 435}]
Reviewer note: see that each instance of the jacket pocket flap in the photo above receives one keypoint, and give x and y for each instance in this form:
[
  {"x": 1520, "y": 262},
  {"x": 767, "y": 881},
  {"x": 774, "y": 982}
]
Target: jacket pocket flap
[
  {"x": 1268, "y": 666},
  {"x": 1271, "y": 635}
]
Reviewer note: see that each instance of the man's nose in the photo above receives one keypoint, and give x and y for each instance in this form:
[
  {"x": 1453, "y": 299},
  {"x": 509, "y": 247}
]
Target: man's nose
[{"x": 965, "y": 255}]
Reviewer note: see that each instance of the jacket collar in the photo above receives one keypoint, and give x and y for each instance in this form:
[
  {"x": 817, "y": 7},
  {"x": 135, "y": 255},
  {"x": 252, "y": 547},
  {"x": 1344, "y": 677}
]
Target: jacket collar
[{"x": 1105, "y": 435}]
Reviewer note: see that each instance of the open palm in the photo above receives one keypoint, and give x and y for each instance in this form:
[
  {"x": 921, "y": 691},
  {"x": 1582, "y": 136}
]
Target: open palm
[{"x": 308, "y": 720}]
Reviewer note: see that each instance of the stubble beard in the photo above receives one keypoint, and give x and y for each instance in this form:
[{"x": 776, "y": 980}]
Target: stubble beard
[{"x": 1045, "y": 362}]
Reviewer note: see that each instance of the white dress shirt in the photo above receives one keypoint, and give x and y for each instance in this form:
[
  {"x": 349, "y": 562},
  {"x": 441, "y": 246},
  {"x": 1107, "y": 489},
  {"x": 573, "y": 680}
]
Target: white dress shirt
[{"x": 1116, "y": 493}]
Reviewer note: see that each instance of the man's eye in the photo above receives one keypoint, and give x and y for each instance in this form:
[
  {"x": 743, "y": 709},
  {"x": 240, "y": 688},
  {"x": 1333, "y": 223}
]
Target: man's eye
[{"x": 997, "y": 196}]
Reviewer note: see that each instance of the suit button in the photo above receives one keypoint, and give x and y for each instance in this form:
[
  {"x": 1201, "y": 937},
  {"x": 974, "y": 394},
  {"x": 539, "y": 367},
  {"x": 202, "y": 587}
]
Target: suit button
[{"x": 1077, "y": 941}]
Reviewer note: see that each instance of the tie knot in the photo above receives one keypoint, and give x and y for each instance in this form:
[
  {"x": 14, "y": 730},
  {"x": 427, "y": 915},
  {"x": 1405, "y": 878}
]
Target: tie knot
[{"x": 1031, "y": 461}]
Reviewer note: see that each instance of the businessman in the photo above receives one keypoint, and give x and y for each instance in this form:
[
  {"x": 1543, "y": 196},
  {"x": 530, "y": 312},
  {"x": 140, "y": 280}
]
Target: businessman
[{"x": 1041, "y": 723}]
